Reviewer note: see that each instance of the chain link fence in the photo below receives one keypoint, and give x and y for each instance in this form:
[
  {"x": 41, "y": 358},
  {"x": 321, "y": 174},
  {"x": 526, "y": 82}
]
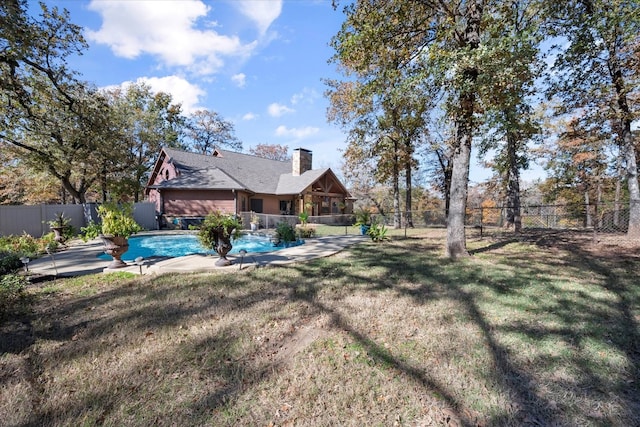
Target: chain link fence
[{"x": 605, "y": 218}]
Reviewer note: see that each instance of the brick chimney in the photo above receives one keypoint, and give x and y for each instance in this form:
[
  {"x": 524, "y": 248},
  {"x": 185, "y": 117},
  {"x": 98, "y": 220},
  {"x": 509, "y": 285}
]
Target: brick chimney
[{"x": 301, "y": 161}]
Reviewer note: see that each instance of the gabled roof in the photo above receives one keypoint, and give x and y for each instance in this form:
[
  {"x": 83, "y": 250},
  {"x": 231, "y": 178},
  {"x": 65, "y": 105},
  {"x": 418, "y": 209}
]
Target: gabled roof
[
  {"x": 203, "y": 179},
  {"x": 227, "y": 170},
  {"x": 289, "y": 184}
]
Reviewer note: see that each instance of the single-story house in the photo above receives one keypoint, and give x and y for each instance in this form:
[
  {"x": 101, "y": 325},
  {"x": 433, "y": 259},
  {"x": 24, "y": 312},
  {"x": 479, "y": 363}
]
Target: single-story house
[{"x": 190, "y": 185}]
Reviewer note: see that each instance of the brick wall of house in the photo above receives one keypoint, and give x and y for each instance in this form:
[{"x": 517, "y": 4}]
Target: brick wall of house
[{"x": 197, "y": 203}]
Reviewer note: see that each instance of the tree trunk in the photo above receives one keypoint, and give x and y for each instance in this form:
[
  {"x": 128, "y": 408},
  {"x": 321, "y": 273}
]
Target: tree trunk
[
  {"x": 616, "y": 204},
  {"x": 446, "y": 166},
  {"x": 397, "y": 223},
  {"x": 627, "y": 146},
  {"x": 456, "y": 240},
  {"x": 632, "y": 182},
  {"x": 408, "y": 197},
  {"x": 597, "y": 213},
  {"x": 587, "y": 209},
  {"x": 513, "y": 186}
]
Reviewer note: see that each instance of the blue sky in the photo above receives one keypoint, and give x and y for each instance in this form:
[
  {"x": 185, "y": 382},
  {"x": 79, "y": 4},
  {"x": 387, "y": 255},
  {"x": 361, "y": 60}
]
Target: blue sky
[{"x": 258, "y": 63}]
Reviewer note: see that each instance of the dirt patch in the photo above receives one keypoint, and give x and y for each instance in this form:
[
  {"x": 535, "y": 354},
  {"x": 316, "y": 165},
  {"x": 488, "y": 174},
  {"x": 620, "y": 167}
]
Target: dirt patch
[{"x": 301, "y": 339}]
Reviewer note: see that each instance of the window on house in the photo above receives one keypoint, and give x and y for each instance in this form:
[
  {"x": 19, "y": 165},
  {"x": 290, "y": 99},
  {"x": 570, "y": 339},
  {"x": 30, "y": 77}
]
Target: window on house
[{"x": 256, "y": 205}]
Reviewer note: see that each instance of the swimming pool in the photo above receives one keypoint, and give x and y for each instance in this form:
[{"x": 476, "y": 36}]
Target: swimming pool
[{"x": 176, "y": 245}]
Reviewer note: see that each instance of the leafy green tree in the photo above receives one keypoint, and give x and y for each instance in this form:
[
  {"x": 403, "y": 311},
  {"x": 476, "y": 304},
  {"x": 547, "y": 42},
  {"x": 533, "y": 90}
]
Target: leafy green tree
[
  {"x": 52, "y": 121},
  {"x": 509, "y": 122},
  {"x": 146, "y": 121},
  {"x": 384, "y": 111},
  {"x": 597, "y": 75},
  {"x": 20, "y": 185},
  {"x": 205, "y": 130},
  {"x": 442, "y": 39},
  {"x": 577, "y": 163}
]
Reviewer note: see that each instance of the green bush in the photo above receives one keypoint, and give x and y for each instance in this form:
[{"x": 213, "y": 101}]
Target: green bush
[
  {"x": 48, "y": 242},
  {"x": 91, "y": 231},
  {"x": 377, "y": 232},
  {"x": 13, "y": 295},
  {"x": 285, "y": 233},
  {"x": 23, "y": 245},
  {"x": 9, "y": 262},
  {"x": 306, "y": 232},
  {"x": 303, "y": 217},
  {"x": 362, "y": 217}
]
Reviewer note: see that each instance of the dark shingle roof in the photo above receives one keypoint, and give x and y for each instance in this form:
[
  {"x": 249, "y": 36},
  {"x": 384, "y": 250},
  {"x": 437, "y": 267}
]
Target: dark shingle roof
[
  {"x": 289, "y": 184},
  {"x": 203, "y": 179},
  {"x": 230, "y": 170}
]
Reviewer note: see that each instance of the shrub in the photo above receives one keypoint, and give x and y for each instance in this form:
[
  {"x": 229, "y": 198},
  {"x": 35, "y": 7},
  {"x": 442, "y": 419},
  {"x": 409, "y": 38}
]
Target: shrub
[
  {"x": 48, "y": 242},
  {"x": 9, "y": 262},
  {"x": 23, "y": 245},
  {"x": 362, "y": 217},
  {"x": 303, "y": 217},
  {"x": 377, "y": 232},
  {"x": 13, "y": 295},
  {"x": 306, "y": 232},
  {"x": 91, "y": 231},
  {"x": 284, "y": 233}
]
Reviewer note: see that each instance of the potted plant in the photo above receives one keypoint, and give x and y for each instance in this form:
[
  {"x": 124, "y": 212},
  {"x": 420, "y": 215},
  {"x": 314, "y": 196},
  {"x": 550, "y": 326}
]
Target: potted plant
[
  {"x": 304, "y": 218},
  {"x": 117, "y": 225},
  {"x": 217, "y": 231},
  {"x": 60, "y": 226},
  {"x": 255, "y": 221},
  {"x": 363, "y": 220}
]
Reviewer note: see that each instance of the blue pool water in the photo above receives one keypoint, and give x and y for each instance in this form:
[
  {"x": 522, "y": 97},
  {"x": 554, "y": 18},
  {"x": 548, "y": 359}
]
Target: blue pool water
[{"x": 176, "y": 245}]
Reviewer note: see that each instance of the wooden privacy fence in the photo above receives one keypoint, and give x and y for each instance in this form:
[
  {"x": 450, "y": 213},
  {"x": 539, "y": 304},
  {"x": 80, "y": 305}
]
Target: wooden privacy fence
[{"x": 34, "y": 219}]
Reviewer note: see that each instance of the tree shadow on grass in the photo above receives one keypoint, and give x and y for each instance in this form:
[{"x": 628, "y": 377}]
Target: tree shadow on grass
[
  {"x": 398, "y": 264},
  {"x": 603, "y": 314},
  {"x": 150, "y": 306},
  {"x": 533, "y": 402}
]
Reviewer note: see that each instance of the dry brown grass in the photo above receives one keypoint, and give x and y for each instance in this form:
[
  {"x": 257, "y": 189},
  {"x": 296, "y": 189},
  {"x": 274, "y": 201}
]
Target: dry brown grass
[{"x": 538, "y": 330}]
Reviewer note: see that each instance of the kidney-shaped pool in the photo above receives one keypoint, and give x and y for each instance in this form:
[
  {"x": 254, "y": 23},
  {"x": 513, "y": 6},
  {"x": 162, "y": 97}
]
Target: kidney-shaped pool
[{"x": 176, "y": 245}]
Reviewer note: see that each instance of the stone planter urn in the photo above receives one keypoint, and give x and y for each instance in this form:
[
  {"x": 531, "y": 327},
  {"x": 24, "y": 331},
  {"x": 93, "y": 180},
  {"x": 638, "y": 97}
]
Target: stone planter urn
[
  {"x": 222, "y": 248},
  {"x": 216, "y": 232},
  {"x": 115, "y": 246}
]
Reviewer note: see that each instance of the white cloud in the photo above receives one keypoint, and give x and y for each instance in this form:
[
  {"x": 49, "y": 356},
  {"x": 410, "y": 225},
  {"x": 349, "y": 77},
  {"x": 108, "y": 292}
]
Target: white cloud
[
  {"x": 307, "y": 95},
  {"x": 277, "y": 110},
  {"x": 181, "y": 91},
  {"x": 297, "y": 133},
  {"x": 249, "y": 116},
  {"x": 239, "y": 79},
  {"x": 262, "y": 12},
  {"x": 167, "y": 30}
]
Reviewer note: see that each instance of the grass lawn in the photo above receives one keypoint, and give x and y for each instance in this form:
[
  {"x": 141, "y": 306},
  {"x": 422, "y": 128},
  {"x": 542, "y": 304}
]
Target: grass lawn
[{"x": 540, "y": 329}]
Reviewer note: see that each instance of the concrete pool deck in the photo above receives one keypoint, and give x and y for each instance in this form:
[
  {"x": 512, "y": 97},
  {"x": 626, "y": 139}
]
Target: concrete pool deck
[{"x": 82, "y": 258}]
